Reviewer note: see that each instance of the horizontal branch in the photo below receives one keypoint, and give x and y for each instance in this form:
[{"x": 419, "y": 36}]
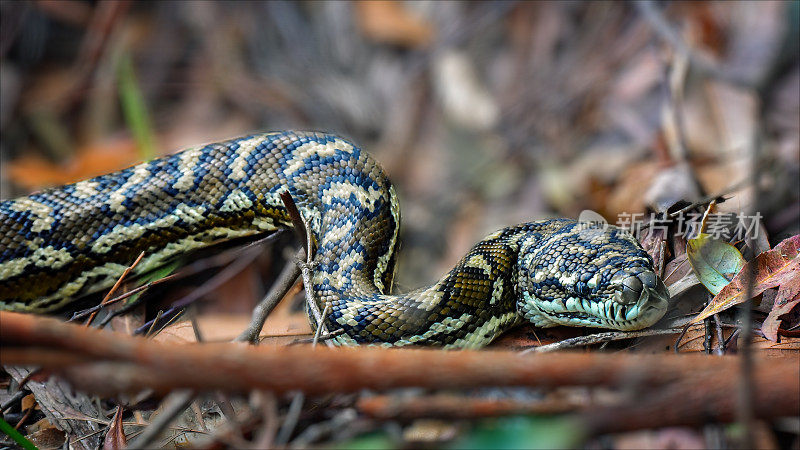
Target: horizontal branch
[{"x": 107, "y": 363}]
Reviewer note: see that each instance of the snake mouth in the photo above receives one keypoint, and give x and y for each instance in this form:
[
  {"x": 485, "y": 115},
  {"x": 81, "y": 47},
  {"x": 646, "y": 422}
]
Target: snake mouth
[{"x": 633, "y": 306}]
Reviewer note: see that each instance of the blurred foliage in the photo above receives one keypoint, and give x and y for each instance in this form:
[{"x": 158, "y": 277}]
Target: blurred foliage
[
  {"x": 483, "y": 113},
  {"x": 136, "y": 115},
  {"x": 523, "y": 432}
]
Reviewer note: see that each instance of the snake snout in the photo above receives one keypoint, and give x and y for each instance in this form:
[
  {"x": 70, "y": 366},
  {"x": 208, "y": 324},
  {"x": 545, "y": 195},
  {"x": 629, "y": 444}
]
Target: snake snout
[{"x": 645, "y": 297}]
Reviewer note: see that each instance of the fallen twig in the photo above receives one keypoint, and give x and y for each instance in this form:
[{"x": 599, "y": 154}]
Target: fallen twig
[
  {"x": 108, "y": 363},
  {"x": 386, "y": 407},
  {"x": 174, "y": 405},
  {"x": 698, "y": 60},
  {"x": 115, "y": 287},
  {"x": 96, "y": 308},
  {"x": 303, "y": 232},
  {"x": 214, "y": 282},
  {"x": 70, "y": 350},
  {"x": 280, "y": 287},
  {"x": 598, "y": 338},
  {"x": 13, "y": 400}
]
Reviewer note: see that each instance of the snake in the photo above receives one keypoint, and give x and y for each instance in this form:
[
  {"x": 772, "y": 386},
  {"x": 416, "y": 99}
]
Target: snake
[{"x": 61, "y": 244}]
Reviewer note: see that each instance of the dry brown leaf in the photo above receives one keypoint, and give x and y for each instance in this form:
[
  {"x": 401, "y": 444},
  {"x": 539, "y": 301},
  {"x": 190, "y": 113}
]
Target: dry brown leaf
[
  {"x": 115, "y": 438},
  {"x": 33, "y": 172},
  {"x": 787, "y": 300},
  {"x": 679, "y": 276},
  {"x": 48, "y": 438},
  {"x": 776, "y": 267},
  {"x": 655, "y": 244},
  {"x": 28, "y": 402},
  {"x": 390, "y": 22}
]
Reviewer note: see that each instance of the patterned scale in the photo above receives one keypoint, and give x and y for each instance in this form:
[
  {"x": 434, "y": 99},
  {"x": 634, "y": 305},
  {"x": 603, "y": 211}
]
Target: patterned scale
[{"x": 63, "y": 243}]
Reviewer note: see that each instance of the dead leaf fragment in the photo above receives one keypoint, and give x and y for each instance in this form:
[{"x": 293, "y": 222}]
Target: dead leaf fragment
[
  {"x": 48, "y": 438},
  {"x": 465, "y": 99},
  {"x": 679, "y": 276},
  {"x": 115, "y": 438},
  {"x": 785, "y": 302},
  {"x": 28, "y": 402},
  {"x": 776, "y": 267},
  {"x": 34, "y": 172},
  {"x": 390, "y": 22}
]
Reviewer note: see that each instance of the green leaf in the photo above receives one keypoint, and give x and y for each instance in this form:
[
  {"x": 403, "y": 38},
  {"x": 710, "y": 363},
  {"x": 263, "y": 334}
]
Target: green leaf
[
  {"x": 134, "y": 109},
  {"x": 524, "y": 432},
  {"x": 713, "y": 261},
  {"x": 16, "y": 436},
  {"x": 153, "y": 275},
  {"x": 159, "y": 272}
]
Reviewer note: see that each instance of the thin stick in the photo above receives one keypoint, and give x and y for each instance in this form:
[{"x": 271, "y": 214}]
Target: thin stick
[
  {"x": 265, "y": 436},
  {"x": 280, "y": 287},
  {"x": 680, "y": 337},
  {"x": 213, "y": 283},
  {"x": 707, "y": 332},
  {"x": 11, "y": 401},
  {"x": 296, "y": 407},
  {"x": 319, "y": 328},
  {"x": 115, "y": 287},
  {"x": 306, "y": 237},
  {"x": 297, "y": 220},
  {"x": 598, "y": 338},
  {"x": 171, "y": 319},
  {"x": 720, "y": 336},
  {"x": 153, "y": 323},
  {"x": 322, "y": 337},
  {"x": 173, "y": 405},
  {"x": 745, "y": 413},
  {"x": 96, "y": 308},
  {"x": 290, "y": 422},
  {"x": 700, "y": 61}
]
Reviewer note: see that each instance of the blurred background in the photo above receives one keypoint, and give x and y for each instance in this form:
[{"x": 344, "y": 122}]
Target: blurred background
[{"x": 484, "y": 114}]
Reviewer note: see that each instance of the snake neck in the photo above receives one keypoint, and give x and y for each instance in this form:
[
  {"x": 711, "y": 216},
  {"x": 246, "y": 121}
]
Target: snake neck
[{"x": 467, "y": 308}]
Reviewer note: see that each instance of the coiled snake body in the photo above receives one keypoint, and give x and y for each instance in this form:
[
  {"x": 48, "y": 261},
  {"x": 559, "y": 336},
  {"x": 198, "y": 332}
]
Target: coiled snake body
[{"x": 62, "y": 243}]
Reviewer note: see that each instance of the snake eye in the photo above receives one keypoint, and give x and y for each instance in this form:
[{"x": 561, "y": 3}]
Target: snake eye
[
  {"x": 581, "y": 288},
  {"x": 631, "y": 290}
]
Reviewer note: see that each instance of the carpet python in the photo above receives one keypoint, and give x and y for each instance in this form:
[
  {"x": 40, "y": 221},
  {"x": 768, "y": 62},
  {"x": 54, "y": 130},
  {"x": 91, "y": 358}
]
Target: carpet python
[{"x": 63, "y": 243}]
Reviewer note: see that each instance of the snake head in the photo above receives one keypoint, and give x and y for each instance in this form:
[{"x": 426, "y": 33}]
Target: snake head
[{"x": 588, "y": 275}]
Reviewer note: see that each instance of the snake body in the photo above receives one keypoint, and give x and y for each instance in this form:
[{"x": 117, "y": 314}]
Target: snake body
[{"x": 66, "y": 242}]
